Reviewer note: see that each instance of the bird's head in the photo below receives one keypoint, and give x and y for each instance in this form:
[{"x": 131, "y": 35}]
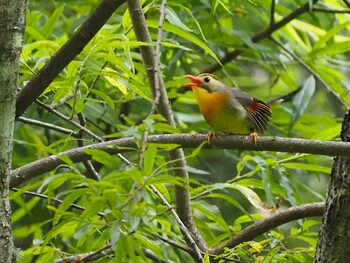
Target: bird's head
[{"x": 207, "y": 81}]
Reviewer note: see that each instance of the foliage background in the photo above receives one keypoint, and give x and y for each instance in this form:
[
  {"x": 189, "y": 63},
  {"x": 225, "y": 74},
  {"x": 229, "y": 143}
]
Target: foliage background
[{"x": 105, "y": 88}]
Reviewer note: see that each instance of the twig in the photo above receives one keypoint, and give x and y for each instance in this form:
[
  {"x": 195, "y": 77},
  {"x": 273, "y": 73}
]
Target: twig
[
  {"x": 271, "y": 222},
  {"x": 157, "y": 73},
  {"x": 90, "y": 169},
  {"x": 173, "y": 243},
  {"x": 233, "y": 142},
  {"x": 65, "y": 54},
  {"x": 61, "y": 101},
  {"x": 67, "y": 119},
  {"x": 87, "y": 257},
  {"x": 151, "y": 255},
  {"x": 180, "y": 223},
  {"x": 314, "y": 73},
  {"x": 347, "y": 3},
  {"x": 87, "y": 131},
  {"x": 49, "y": 126},
  {"x": 334, "y": 11},
  {"x": 56, "y": 200},
  {"x": 261, "y": 35},
  {"x": 272, "y": 12}
]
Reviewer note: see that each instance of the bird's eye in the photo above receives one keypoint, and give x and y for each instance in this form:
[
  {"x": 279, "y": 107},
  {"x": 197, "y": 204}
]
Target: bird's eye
[{"x": 207, "y": 79}]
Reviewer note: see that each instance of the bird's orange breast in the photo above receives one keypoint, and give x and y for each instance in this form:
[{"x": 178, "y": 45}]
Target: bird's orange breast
[
  {"x": 219, "y": 113},
  {"x": 210, "y": 103}
]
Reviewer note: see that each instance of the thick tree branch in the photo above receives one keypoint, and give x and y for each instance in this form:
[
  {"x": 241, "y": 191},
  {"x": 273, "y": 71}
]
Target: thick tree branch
[
  {"x": 182, "y": 195},
  {"x": 262, "y": 35},
  {"x": 233, "y": 142},
  {"x": 65, "y": 54},
  {"x": 271, "y": 222}
]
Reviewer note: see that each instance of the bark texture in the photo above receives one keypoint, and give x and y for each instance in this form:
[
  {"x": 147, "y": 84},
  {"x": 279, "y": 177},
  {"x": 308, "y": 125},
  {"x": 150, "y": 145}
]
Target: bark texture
[
  {"x": 334, "y": 236},
  {"x": 12, "y": 21}
]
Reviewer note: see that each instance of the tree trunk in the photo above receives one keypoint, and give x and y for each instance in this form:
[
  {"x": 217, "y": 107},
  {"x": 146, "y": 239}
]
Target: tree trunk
[
  {"x": 334, "y": 236},
  {"x": 12, "y": 21}
]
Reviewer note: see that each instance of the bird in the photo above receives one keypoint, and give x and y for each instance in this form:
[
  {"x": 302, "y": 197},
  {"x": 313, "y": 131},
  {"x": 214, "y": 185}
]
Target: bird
[{"x": 228, "y": 109}]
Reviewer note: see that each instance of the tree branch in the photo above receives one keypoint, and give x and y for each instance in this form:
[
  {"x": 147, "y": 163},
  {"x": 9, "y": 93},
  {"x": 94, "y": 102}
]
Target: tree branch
[
  {"x": 65, "y": 54},
  {"x": 233, "y": 142},
  {"x": 347, "y": 3},
  {"x": 262, "y": 35},
  {"x": 49, "y": 126},
  {"x": 182, "y": 195},
  {"x": 271, "y": 222},
  {"x": 179, "y": 222},
  {"x": 56, "y": 200},
  {"x": 333, "y": 11},
  {"x": 272, "y": 12},
  {"x": 82, "y": 128}
]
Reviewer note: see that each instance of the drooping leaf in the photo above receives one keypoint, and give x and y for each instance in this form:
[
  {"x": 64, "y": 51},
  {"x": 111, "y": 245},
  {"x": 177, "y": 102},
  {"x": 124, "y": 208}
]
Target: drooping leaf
[{"x": 302, "y": 99}]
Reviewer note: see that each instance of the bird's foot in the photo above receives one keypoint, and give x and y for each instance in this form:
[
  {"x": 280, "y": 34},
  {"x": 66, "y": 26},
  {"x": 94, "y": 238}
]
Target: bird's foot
[
  {"x": 210, "y": 135},
  {"x": 254, "y": 137}
]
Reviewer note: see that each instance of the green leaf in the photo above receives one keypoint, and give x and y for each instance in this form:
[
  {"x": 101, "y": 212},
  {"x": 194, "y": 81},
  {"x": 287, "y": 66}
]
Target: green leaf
[
  {"x": 79, "y": 105},
  {"x": 328, "y": 133},
  {"x": 228, "y": 199},
  {"x": 173, "y": 18},
  {"x": 103, "y": 157},
  {"x": 187, "y": 35},
  {"x": 165, "y": 127},
  {"x": 193, "y": 170},
  {"x": 149, "y": 158},
  {"x": 330, "y": 33},
  {"x": 302, "y": 99},
  {"x": 115, "y": 233},
  {"x": 51, "y": 23},
  {"x": 71, "y": 198},
  {"x": 251, "y": 196},
  {"x": 212, "y": 213},
  {"x": 333, "y": 49},
  {"x": 107, "y": 99},
  {"x": 206, "y": 258},
  {"x": 308, "y": 167},
  {"x": 266, "y": 176},
  {"x": 33, "y": 32},
  {"x": 196, "y": 151}
]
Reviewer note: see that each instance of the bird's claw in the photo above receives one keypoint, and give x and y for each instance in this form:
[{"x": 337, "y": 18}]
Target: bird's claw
[
  {"x": 254, "y": 137},
  {"x": 210, "y": 135}
]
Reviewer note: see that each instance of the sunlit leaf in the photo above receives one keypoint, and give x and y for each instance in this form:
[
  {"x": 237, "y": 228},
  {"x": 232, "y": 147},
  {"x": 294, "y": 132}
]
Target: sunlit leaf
[{"x": 115, "y": 82}]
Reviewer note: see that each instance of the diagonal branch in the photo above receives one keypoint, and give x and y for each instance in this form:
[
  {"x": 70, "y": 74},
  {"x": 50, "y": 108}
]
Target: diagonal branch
[
  {"x": 262, "y": 35},
  {"x": 180, "y": 223},
  {"x": 65, "y": 54},
  {"x": 233, "y": 142},
  {"x": 55, "y": 200},
  {"x": 271, "y": 222}
]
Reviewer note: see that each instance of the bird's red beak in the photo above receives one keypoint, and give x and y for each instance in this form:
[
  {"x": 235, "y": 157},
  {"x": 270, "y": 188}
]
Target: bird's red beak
[{"x": 194, "y": 80}]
